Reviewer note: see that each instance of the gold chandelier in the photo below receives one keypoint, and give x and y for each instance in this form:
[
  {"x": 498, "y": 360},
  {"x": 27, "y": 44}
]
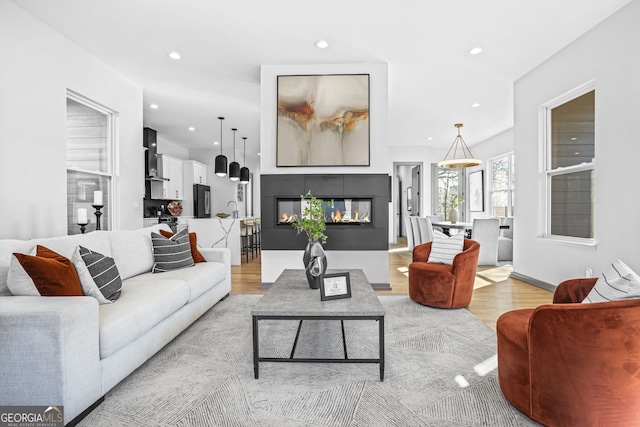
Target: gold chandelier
[{"x": 465, "y": 161}]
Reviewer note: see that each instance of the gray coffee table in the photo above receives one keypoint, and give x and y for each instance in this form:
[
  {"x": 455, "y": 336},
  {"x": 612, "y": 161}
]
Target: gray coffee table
[{"x": 290, "y": 298}]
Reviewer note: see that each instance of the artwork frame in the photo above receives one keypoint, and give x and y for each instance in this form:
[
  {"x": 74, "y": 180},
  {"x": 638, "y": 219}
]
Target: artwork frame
[
  {"x": 323, "y": 120},
  {"x": 335, "y": 286},
  {"x": 476, "y": 191}
]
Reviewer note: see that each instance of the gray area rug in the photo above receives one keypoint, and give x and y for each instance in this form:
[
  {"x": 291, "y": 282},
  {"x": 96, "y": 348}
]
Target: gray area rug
[{"x": 205, "y": 376}]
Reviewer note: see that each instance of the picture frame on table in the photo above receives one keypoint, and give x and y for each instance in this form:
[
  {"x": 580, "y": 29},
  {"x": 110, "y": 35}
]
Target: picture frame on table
[
  {"x": 335, "y": 286},
  {"x": 476, "y": 191}
]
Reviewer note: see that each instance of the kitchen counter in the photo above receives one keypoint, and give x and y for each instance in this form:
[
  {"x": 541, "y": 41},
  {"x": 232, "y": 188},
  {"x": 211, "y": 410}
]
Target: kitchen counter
[{"x": 218, "y": 233}]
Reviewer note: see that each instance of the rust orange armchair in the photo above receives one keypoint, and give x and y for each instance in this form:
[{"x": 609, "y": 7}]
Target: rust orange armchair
[
  {"x": 572, "y": 364},
  {"x": 441, "y": 285}
]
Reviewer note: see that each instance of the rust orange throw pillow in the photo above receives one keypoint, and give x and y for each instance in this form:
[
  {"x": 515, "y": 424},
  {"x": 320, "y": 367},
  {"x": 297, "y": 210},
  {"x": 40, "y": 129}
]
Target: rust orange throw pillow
[
  {"x": 193, "y": 241},
  {"x": 53, "y": 274}
]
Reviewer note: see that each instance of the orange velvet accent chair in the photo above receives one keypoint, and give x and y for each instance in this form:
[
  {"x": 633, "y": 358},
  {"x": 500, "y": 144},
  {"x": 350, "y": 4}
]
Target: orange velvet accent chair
[
  {"x": 441, "y": 285},
  {"x": 571, "y": 364}
]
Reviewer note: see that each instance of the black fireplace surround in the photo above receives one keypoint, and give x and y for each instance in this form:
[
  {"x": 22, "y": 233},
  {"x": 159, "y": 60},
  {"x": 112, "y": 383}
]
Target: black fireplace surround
[{"x": 367, "y": 194}]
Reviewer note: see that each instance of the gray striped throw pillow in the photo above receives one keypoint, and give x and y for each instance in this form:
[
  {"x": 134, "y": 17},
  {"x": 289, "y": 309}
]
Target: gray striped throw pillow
[
  {"x": 444, "y": 248},
  {"x": 617, "y": 283},
  {"x": 104, "y": 272},
  {"x": 171, "y": 253}
]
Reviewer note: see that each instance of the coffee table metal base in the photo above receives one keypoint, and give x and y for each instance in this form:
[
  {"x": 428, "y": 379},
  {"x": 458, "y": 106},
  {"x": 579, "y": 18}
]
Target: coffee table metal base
[{"x": 256, "y": 348}]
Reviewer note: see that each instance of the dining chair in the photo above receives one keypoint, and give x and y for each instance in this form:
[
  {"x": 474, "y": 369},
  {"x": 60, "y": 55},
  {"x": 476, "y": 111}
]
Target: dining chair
[
  {"x": 505, "y": 240},
  {"x": 486, "y": 231},
  {"x": 436, "y": 218},
  {"x": 409, "y": 231}
]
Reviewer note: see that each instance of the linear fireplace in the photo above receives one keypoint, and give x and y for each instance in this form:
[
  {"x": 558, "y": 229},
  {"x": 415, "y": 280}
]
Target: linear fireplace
[
  {"x": 356, "y": 210},
  {"x": 344, "y": 211}
]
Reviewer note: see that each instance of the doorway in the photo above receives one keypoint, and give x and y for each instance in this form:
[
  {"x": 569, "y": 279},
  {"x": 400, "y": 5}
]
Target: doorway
[{"x": 408, "y": 196}]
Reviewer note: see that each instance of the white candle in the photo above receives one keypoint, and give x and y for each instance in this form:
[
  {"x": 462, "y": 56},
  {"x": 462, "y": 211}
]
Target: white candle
[
  {"x": 82, "y": 216},
  {"x": 97, "y": 198}
]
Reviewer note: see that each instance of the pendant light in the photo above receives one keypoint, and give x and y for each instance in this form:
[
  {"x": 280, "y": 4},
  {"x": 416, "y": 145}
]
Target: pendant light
[
  {"x": 221, "y": 160},
  {"x": 234, "y": 167},
  {"x": 244, "y": 171},
  {"x": 465, "y": 161}
]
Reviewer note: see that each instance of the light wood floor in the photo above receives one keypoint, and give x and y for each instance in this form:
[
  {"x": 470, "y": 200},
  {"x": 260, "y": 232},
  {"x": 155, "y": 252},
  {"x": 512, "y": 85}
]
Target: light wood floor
[{"x": 487, "y": 304}]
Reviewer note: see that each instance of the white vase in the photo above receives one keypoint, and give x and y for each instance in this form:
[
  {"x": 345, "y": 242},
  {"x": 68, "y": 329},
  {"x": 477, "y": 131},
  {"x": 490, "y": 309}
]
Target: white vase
[{"x": 453, "y": 215}]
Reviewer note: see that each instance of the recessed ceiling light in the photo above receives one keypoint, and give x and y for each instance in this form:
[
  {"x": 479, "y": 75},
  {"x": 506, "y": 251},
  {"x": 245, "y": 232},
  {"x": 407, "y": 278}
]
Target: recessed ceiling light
[
  {"x": 215, "y": 143},
  {"x": 574, "y": 139},
  {"x": 259, "y": 154},
  {"x": 429, "y": 139},
  {"x": 475, "y": 104},
  {"x": 191, "y": 128},
  {"x": 153, "y": 106},
  {"x": 475, "y": 50},
  {"x": 322, "y": 44},
  {"x": 175, "y": 55},
  {"x": 576, "y": 153}
]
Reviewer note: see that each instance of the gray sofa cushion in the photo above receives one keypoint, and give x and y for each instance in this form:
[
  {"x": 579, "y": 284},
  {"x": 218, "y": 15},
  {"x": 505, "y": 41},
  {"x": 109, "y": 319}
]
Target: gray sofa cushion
[
  {"x": 142, "y": 305},
  {"x": 200, "y": 278}
]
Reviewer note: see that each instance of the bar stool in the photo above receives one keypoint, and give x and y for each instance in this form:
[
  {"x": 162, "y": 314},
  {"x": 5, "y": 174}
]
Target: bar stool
[
  {"x": 258, "y": 234},
  {"x": 244, "y": 239},
  {"x": 250, "y": 226}
]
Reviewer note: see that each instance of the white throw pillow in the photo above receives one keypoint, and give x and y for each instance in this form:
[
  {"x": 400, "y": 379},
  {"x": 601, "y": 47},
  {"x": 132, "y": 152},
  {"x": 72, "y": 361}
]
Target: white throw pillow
[
  {"x": 619, "y": 282},
  {"x": 18, "y": 280},
  {"x": 444, "y": 248}
]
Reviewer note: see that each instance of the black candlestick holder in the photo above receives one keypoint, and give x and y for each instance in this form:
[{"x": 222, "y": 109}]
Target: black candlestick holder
[
  {"x": 83, "y": 227},
  {"x": 98, "y": 214}
]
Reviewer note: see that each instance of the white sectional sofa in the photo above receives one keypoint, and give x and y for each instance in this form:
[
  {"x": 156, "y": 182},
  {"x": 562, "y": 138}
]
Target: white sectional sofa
[{"x": 70, "y": 351}]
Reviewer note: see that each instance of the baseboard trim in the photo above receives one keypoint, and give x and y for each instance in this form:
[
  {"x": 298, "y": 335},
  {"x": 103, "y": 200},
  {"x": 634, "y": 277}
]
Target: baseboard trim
[
  {"x": 376, "y": 286},
  {"x": 534, "y": 282},
  {"x": 84, "y": 413}
]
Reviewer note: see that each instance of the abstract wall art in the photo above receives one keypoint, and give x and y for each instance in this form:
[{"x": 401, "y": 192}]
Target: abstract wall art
[{"x": 323, "y": 120}]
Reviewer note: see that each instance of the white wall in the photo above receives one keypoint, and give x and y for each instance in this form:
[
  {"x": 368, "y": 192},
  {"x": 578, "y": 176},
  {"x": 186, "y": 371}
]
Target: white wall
[
  {"x": 274, "y": 261},
  {"x": 608, "y": 54},
  {"x": 167, "y": 147},
  {"x": 378, "y": 108},
  {"x": 38, "y": 66},
  {"x": 496, "y": 146}
]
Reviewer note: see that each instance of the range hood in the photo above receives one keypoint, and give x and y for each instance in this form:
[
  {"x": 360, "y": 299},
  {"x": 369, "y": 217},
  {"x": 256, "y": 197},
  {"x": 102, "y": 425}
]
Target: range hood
[{"x": 151, "y": 156}]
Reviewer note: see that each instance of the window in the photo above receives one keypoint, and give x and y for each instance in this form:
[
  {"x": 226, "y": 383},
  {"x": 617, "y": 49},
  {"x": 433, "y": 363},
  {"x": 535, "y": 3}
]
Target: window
[
  {"x": 446, "y": 191},
  {"x": 90, "y": 147},
  {"x": 501, "y": 187},
  {"x": 570, "y": 165}
]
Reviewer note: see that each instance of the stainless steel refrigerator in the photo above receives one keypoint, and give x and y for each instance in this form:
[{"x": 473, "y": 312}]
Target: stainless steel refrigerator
[{"x": 201, "y": 201}]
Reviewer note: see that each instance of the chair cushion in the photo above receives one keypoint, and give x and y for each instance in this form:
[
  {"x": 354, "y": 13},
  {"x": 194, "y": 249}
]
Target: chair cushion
[
  {"x": 617, "y": 283},
  {"x": 444, "y": 249}
]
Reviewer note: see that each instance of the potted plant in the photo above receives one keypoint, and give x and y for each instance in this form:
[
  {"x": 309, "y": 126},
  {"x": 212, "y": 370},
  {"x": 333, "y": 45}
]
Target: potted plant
[{"x": 311, "y": 222}]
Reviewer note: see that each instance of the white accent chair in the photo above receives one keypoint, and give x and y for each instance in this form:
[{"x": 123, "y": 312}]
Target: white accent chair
[
  {"x": 505, "y": 240},
  {"x": 435, "y": 218},
  {"x": 486, "y": 232}
]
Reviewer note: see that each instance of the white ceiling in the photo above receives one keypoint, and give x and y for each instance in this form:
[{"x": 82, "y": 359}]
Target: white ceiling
[{"x": 433, "y": 80}]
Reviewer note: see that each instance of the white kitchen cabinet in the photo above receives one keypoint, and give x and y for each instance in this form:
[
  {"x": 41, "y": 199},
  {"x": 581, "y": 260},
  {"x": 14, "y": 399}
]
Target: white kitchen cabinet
[{"x": 168, "y": 167}]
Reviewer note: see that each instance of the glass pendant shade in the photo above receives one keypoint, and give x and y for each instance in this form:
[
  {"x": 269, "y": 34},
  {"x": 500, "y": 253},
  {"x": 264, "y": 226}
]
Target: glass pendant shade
[
  {"x": 234, "y": 167},
  {"x": 464, "y": 160},
  {"x": 221, "y": 160},
  {"x": 244, "y": 171}
]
